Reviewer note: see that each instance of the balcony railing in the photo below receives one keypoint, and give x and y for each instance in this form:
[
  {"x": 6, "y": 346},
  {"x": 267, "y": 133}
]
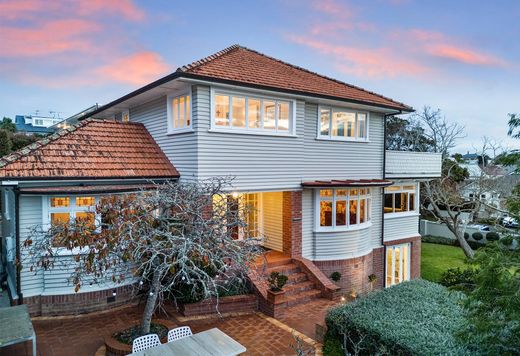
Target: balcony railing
[{"x": 404, "y": 164}]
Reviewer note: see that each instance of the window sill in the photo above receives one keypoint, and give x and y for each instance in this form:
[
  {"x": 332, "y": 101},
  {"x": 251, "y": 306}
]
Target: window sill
[
  {"x": 400, "y": 215},
  {"x": 345, "y": 229},
  {"x": 254, "y": 133},
  {"x": 339, "y": 139},
  {"x": 180, "y": 131}
]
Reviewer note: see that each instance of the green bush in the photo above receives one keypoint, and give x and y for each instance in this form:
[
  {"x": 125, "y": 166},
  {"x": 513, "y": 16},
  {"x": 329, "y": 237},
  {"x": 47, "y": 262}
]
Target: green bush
[
  {"x": 459, "y": 279},
  {"x": 439, "y": 240},
  {"x": 276, "y": 281},
  {"x": 477, "y": 236},
  {"x": 492, "y": 236},
  {"x": 335, "y": 276},
  {"x": 466, "y": 236},
  {"x": 412, "y": 318}
]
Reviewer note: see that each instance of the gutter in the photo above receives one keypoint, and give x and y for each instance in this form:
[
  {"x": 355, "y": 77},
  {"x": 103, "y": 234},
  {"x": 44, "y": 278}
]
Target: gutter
[
  {"x": 383, "y": 195},
  {"x": 17, "y": 243}
]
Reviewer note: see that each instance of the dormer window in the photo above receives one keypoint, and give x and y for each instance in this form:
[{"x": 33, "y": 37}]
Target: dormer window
[{"x": 179, "y": 113}]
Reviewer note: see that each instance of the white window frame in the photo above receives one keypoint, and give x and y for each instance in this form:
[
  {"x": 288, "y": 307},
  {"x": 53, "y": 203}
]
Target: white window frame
[
  {"x": 395, "y": 214},
  {"x": 291, "y": 132},
  {"x": 333, "y": 109},
  {"x": 169, "y": 112},
  {"x": 348, "y": 226},
  {"x": 393, "y": 266}
]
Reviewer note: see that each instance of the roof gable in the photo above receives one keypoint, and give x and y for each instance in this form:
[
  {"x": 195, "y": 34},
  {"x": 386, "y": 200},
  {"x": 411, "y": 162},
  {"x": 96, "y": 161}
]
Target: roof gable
[{"x": 91, "y": 149}]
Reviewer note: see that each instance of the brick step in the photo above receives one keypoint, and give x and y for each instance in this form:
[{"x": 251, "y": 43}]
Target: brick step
[
  {"x": 302, "y": 297},
  {"x": 298, "y": 288},
  {"x": 279, "y": 262},
  {"x": 297, "y": 278},
  {"x": 286, "y": 269}
]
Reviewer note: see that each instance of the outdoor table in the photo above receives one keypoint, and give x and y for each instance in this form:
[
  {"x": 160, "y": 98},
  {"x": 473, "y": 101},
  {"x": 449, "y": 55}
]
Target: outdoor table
[
  {"x": 212, "y": 342},
  {"x": 16, "y": 326}
]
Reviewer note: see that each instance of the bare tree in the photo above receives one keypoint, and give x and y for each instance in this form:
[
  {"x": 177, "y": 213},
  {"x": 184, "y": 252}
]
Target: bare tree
[{"x": 172, "y": 235}]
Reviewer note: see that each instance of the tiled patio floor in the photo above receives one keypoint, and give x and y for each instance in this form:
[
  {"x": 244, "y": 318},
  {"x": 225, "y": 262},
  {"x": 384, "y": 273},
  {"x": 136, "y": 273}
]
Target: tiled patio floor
[{"x": 83, "y": 335}]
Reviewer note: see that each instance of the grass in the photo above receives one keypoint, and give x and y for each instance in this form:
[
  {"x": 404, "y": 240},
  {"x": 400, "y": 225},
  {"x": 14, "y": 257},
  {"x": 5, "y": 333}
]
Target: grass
[{"x": 435, "y": 259}]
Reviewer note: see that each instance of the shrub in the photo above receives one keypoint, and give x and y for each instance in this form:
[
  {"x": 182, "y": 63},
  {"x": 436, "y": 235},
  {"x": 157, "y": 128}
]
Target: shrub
[
  {"x": 335, "y": 276},
  {"x": 466, "y": 236},
  {"x": 492, "y": 236},
  {"x": 412, "y": 318},
  {"x": 439, "y": 240},
  {"x": 276, "y": 281},
  {"x": 477, "y": 236},
  {"x": 459, "y": 279}
]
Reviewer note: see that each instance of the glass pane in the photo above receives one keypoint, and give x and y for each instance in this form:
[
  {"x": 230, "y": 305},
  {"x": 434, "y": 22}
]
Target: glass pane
[
  {"x": 412, "y": 201},
  {"x": 389, "y": 271},
  {"x": 269, "y": 115},
  {"x": 182, "y": 112},
  {"x": 369, "y": 206},
  {"x": 362, "y": 192},
  {"x": 389, "y": 203},
  {"x": 60, "y": 202},
  {"x": 343, "y": 124},
  {"x": 175, "y": 109},
  {"x": 251, "y": 219},
  {"x": 325, "y": 213},
  {"x": 397, "y": 268},
  {"x": 325, "y": 122},
  {"x": 401, "y": 202},
  {"x": 341, "y": 193},
  {"x": 88, "y": 218},
  {"x": 406, "y": 260},
  {"x": 253, "y": 113},
  {"x": 222, "y": 110},
  {"x": 393, "y": 188},
  {"x": 362, "y": 211},
  {"x": 326, "y": 193},
  {"x": 354, "y": 192},
  {"x": 59, "y": 218},
  {"x": 341, "y": 213},
  {"x": 239, "y": 112},
  {"x": 353, "y": 212},
  {"x": 188, "y": 111},
  {"x": 361, "y": 125},
  {"x": 85, "y": 201},
  {"x": 409, "y": 187},
  {"x": 283, "y": 116}
]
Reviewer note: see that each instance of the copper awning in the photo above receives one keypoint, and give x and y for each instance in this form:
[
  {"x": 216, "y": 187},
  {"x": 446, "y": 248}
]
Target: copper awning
[{"x": 348, "y": 183}]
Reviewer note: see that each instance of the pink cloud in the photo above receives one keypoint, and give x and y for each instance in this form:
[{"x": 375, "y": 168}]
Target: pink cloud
[
  {"x": 463, "y": 55},
  {"x": 125, "y": 8},
  {"x": 136, "y": 69},
  {"x": 331, "y": 7}
]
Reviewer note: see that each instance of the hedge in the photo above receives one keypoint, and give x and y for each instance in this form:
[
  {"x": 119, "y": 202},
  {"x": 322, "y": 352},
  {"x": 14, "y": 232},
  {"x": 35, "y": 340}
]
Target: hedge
[
  {"x": 477, "y": 236},
  {"x": 412, "y": 318}
]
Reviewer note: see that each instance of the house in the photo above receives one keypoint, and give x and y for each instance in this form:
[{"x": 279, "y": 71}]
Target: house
[
  {"x": 307, "y": 151},
  {"x": 32, "y": 124}
]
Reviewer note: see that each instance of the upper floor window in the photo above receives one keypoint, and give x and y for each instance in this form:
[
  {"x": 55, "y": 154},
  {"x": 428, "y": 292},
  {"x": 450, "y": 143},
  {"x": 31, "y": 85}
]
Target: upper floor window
[
  {"x": 125, "y": 116},
  {"x": 342, "y": 208},
  {"x": 38, "y": 122},
  {"x": 400, "y": 199},
  {"x": 250, "y": 113},
  {"x": 335, "y": 123},
  {"x": 179, "y": 112}
]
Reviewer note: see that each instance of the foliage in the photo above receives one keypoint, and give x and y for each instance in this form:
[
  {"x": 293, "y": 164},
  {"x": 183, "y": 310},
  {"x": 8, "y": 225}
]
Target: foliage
[
  {"x": 6, "y": 146},
  {"x": 477, "y": 236},
  {"x": 452, "y": 169},
  {"x": 335, "y": 276},
  {"x": 441, "y": 240},
  {"x": 513, "y": 159},
  {"x": 127, "y": 336},
  {"x": 412, "y": 318},
  {"x": 405, "y": 135},
  {"x": 277, "y": 281},
  {"x": 372, "y": 278},
  {"x": 189, "y": 293},
  {"x": 492, "y": 236},
  {"x": 10, "y": 141},
  {"x": 436, "y": 259},
  {"x": 162, "y": 238},
  {"x": 493, "y": 308},
  {"x": 332, "y": 346},
  {"x": 8, "y": 125},
  {"x": 459, "y": 279}
]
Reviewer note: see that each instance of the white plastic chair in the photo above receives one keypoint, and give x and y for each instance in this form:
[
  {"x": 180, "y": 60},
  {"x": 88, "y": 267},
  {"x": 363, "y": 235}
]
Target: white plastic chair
[
  {"x": 179, "y": 333},
  {"x": 145, "y": 342}
]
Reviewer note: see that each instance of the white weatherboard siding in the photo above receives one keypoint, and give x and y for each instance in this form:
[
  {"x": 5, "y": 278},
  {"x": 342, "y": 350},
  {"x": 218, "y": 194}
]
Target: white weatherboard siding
[
  {"x": 397, "y": 228},
  {"x": 179, "y": 148},
  {"x": 329, "y": 159},
  {"x": 402, "y": 164},
  {"x": 273, "y": 220}
]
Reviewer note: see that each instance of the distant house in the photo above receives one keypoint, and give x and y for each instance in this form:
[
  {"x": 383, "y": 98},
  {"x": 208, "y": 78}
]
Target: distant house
[{"x": 32, "y": 124}]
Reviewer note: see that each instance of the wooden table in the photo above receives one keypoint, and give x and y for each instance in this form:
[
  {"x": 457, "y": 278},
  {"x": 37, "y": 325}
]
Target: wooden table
[
  {"x": 16, "y": 326},
  {"x": 212, "y": 342}
]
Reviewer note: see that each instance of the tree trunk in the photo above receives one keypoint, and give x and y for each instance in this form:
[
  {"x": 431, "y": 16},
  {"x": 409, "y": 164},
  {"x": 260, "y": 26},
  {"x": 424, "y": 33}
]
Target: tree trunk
[
  {"x": 150, "y": 304},
  {"x": 468, "y": 251}
]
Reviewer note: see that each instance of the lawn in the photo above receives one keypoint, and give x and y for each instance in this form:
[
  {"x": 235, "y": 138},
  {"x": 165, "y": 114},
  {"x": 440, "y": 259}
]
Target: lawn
[{"x": 435, "y": 259}]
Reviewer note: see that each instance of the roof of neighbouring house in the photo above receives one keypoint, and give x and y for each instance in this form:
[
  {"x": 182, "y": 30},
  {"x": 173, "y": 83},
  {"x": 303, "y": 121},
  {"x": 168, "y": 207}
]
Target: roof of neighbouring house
[
  {"x": 22, "y": 126},
  {"x": 91, "y": 149}
]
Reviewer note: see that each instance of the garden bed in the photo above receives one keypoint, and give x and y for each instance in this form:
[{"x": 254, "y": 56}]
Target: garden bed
[{"x": 230, "y": 304}]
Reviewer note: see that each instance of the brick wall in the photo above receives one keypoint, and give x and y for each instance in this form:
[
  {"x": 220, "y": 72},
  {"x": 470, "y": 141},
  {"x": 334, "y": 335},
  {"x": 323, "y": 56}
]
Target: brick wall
[
  {"x": 292, "y": 223},
  {"x": 231, "y": 304}
]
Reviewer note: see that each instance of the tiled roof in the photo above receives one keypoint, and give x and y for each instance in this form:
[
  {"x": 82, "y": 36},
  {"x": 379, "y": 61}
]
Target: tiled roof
[
  {"x": 91, "y": 149},
  {"x": 242, "y": 65},
  {"x": 107, "y": 188},
  {"x": 348, "y": 183}
]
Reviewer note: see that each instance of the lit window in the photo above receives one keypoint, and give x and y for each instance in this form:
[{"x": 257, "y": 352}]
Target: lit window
[
  {"x": 399, "y": 199},
  {"x": 269, "y": 115},
  {"x": 60, "y": 202},
  {"x": 283, "y": 116},
  {"x": 245, "y": 204},
  {"x": 179, "y": 112},
  {"x": 125, "y": 116},
  {"x": 85, "y": 201},
  {"x": 254, "y": 113},
  {"x": 343, "y": 208},
  {"x": 239, "y": 112},
  {"x": 397, "y": 264},
  {"x": 222, "y": 110},
  {"x": 342, "y": 124}
]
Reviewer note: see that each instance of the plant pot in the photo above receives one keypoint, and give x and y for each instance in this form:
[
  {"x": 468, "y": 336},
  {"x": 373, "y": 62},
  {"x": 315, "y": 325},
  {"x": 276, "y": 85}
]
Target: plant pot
[
  {"x": 116, "y": 348},
  {"x": 275, "y": 297}
]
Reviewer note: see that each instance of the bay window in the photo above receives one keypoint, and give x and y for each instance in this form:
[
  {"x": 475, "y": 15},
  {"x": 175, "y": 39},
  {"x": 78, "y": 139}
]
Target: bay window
[
  {"x": 342, "y": 208},
  {"x": 179, "y": 113},
  {"x": 335, "y": 123},
  {"x": 400, "y": 199},
  {"x": 252, "y": 113},
  {"x": 397, "y": 264}
]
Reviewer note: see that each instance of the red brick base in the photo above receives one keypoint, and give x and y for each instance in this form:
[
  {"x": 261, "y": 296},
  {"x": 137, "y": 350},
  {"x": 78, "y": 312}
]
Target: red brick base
[
  {"x": 79, "y": 303},
  {"x": 231, "y": 304}
]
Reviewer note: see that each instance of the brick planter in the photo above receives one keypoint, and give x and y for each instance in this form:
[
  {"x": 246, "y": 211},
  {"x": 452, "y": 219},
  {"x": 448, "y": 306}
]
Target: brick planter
[
  {"x": 231, "y": 304},
  {"x": 276, "y": 297},
  {"x": 115, "y": 348}
]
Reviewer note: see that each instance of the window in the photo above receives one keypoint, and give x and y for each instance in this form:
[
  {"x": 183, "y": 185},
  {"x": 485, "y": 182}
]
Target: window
[
  {"x": 38, "y": 122},
  {"x": 6, "y": 205},
  {"x": 342, "y": 208},
  {"x": 397, "y": 264},
  {"x": 342, "y": 124},
  {"x": 400, "y": 199},
  {"x": 179, "y": 112},
  {"x": 125, "y": 116},
  {"x": 252, "y": 113},
  {"x": 248, "y": 206}
]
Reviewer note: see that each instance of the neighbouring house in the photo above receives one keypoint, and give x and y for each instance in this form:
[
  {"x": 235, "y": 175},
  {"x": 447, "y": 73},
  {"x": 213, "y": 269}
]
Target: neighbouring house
[
  {"x": 32, "y": 124},
  {"x": 306, "y": 151}
]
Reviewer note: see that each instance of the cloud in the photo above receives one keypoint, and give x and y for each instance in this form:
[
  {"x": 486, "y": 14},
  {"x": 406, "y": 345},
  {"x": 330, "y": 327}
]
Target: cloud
[
  {"x": 137, "y": 69},
  {"x": 463, "y": 55},
  {"x": 124, "y": 8}
]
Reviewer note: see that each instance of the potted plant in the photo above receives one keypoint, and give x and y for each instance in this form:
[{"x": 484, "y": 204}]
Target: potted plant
[
  {"x": 275, "y": 293},
  {"x": 372, "y": 279}
]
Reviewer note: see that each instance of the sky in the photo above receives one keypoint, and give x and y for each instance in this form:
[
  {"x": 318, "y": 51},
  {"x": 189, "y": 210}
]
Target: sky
[{"x": 462, "y": 57}]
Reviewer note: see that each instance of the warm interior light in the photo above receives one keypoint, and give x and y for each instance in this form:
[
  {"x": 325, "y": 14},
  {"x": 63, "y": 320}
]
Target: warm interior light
[{"x": 234, "y": 195}]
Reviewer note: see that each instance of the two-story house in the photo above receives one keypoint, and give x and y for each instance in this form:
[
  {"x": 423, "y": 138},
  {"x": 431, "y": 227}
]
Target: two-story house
[{"x": 307, "y": 151}]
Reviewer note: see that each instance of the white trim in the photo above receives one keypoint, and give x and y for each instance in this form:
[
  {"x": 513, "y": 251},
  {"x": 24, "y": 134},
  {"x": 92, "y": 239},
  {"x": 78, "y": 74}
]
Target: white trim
[
  {"x": 404, "y": 214},
  {"x": 408, "y": 212},
  {"x": 333, "y": 109},
  {"x": 7, "y": 200},
  {"x": 170, "y": 130}
]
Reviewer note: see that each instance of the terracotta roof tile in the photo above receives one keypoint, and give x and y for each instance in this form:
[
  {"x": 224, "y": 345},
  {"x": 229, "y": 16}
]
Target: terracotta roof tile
[
  {"x": 91, "y": 149},
  {"x": 243, "y": 65}
]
